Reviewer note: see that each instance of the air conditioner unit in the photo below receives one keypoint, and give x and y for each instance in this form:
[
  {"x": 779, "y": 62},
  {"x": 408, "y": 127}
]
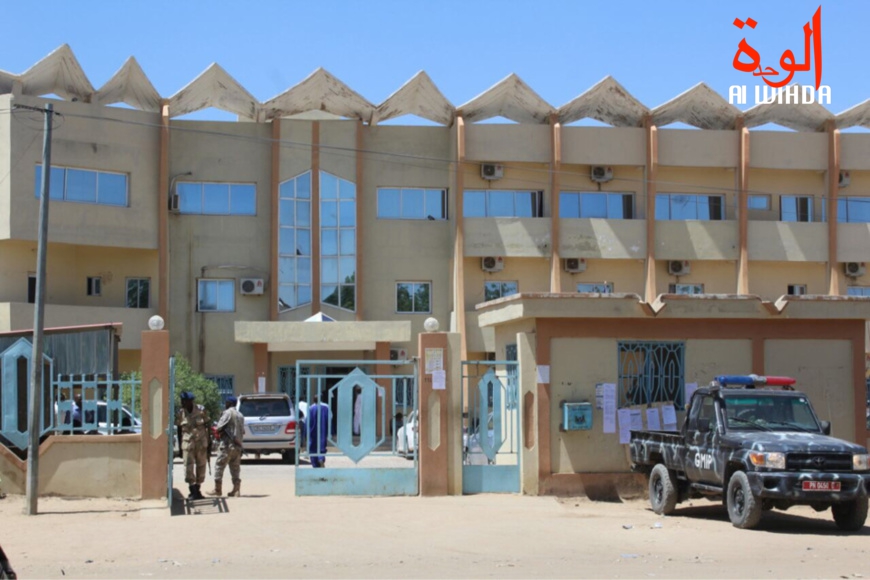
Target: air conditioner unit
[
  {"x": 678, "y": 267},
  {"x": 173, "y": 203},
  {"x": 845, "y": 179},
  {"x": 854, "y": 269},
  {"x": 492, "y": 264},
  {"x": 398, "y": 354},
  {"x": 575, "y": 265},
  {"x": 601, "y": 174},
  {"x": 251, "y": 286},
  {"x": 491, "y": 171}
]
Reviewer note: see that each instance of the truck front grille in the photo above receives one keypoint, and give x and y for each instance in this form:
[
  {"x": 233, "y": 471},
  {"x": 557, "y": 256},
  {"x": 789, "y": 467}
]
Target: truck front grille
[{"x": 819, "y": 461}]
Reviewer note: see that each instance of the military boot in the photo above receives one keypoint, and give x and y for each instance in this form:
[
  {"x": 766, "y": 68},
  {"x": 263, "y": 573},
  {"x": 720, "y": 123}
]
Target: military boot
[
  {"x": 196, "y": 493},
  {"x": 236, "y": 492},
  {"x": 218, "y": 491}
]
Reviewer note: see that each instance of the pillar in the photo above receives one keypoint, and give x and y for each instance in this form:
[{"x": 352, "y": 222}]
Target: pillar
[
  {"x": 382, "y": 353},
  {"x": 459, "y": 240},
  {"x": 555, "y": 168},
  {"x": 743, "y": 208},
  {"x": 652, "y": 161},
  {"x": 155, "y": 413},
  {"x": 833, "y": 194},
  {"x": 163, "y": 216},
  {"x": 433, "y": 405}
]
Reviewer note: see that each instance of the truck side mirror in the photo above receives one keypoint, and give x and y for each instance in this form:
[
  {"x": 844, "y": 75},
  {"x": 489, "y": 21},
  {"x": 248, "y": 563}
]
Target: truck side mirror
[{"x": 826, "y": 427}]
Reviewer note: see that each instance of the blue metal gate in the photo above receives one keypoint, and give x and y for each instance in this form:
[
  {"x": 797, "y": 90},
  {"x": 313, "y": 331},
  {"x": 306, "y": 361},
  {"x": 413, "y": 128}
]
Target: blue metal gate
[
  {"x": 364, "y": 433},
  {"x": 170, "y": 431},
  {"x": 15, "y": 368},
  {"x": 491, "y": 427}
]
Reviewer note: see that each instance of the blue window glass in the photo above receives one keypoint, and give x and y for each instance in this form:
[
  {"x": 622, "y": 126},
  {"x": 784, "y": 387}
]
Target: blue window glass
[
  {"x": 412, "y": 203},
  {"x": 294, "y": 242},
  {"x": 84, "y": 186},
  {"x": 569, "y": 205},
  {"x": 573, "y": 204},
  {"x": 759, "y": 202},
  {"x": 497, "y": 203},
  {"x": 796, "y": 208},
  {"x": 389, "y": 203},
  {"x": 216, "y": 295},
  {"x": 689, "y": 206},
  {"x": 207, "y": 198},
  {"x": 81, "y": 186},
  {"x": 474, "y": 204},
  {"x": 112, "y": 189},
  {"x": 216, "y": 198},
  {"x": 595, "y": 287},
  {"x": 329, "y": 242},
  {"x": 858, "y": 291},
  {"x": 853, "y": 209},
  {"x": 243, "y": 199},
  {"x": 189, "y": 197},
  {"x": 338, "y": 239},
  {"x": 494, "y": 290}
]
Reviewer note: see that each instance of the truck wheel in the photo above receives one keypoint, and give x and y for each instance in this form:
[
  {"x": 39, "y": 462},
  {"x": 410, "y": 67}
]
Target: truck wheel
[
  {"x": 851, "y": 515},
  {"x": 662, "y": 490},
  {"x": 288, "y": 456},
  {"x": 744, "y": 509}
]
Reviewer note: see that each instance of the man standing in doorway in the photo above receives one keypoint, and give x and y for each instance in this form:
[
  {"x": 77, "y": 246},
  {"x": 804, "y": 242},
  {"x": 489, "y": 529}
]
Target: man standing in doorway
[
  {"x": 231, "y": 429},
  {"x": 194, "y": 428},
  {"x": 318, "y": 421}
]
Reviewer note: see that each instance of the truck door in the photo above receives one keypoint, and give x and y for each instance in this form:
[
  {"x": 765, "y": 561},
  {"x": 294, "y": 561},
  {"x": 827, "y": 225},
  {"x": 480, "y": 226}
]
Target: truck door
[{"x": 701, "y": 435}]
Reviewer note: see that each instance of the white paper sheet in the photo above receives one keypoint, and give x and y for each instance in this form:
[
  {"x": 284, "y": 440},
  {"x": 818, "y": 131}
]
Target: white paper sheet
[
  {"x": 599, "y": 396},
  {"x": 652, "y": 419},
  {"x": 669, "y": 418},
  {"x": 261, "y": 384},
  {"x": 636, "y": 420},
  {"x": 439, "y": 380},
  {"x": 624, "y": 416},
  {"x": 609, "y": 407},
  {"x": 434, "y": 360},
  {"x": 544, "y": 374}
]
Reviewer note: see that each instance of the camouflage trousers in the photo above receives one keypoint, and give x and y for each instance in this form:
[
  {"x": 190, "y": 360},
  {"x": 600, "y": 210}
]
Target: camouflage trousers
[
  {"x": 195, "y": 459},
  {"x": 232, "y": 455}
]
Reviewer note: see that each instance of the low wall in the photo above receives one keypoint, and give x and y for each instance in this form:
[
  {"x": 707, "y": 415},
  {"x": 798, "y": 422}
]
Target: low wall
[{"x": 79, "y": 466}]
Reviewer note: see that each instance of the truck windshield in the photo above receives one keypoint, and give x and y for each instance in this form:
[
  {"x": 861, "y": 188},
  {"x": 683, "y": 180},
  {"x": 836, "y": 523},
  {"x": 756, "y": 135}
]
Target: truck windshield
[{"x": 760, "y": 412}]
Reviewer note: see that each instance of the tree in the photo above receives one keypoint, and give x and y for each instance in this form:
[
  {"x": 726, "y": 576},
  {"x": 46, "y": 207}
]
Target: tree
[{"x": 186, "y": 379}]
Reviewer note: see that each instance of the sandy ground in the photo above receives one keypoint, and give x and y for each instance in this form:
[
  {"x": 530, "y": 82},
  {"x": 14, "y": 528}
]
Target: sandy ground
[{"x": 270, "y": 533}]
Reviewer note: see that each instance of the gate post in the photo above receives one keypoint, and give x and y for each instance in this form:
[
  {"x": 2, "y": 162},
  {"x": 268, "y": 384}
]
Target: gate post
[
  {"x": 433, "y": 408},
  {"x": 155, "y": 408},
  {"x": 529, "y": 407}
]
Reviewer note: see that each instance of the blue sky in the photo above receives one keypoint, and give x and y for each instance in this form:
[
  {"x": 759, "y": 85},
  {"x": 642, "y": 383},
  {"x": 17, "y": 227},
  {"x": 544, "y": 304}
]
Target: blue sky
[{"x": 560, "y": 48}]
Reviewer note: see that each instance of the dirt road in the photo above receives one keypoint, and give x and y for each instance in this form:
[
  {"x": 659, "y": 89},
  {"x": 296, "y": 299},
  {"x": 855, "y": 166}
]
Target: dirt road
[{"x": 269, "y": 533}]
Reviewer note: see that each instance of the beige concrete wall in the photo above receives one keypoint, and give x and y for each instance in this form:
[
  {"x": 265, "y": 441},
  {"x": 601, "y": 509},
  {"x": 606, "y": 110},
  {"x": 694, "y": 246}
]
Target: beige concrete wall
[
  {"x": 219, "y": 247},
  {"x": 693, "y": 148},
  {"x": 498, "y": 143},
  {"x": 777, "y": 183},
  {"x": 109, "y": 139},
  {"x": 853, "y": 242},
  {"x": 521, "y": 237},
  {"x": 696, "y": 240},
  {"x": 770, "y": 280},
  {"x": 854, "y": 152},
  {"x": 625, "y": 275},
  {"x": 337, "y": 146},
  {"x": 823, "y": 369},
  {"x": 533, "y": 275},
  {"x": 718, "y": 277},
  {"x": 788, "y": 150},
  {"x": 295, "y": 152},
  {"x": 603, "y": 145},
  {"x": 5, "y": 166},
  {"x": 770, "y": 241},
  {"x": 602, "y": 238}
]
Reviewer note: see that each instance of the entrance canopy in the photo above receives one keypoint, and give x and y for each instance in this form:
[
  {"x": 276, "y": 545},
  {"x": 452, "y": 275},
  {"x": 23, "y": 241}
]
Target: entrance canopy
[{"x": 326, "y": 336}]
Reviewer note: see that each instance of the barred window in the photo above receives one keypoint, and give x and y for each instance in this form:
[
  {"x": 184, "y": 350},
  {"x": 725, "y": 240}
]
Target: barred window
[
  {"x": 651, "y": 372},
  {"x": 225, "y": 385}
]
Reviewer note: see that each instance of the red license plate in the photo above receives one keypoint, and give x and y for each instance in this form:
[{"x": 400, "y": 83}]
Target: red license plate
[{"x": 821, "y": 486}]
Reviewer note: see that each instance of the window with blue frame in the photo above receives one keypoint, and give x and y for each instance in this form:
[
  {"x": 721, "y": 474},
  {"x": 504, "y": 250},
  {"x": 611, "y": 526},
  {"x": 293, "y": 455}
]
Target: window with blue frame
[
  {"x": 685, "y": 288},
  {"x": 796, "y": 208},
  {"x": 216, "y": 295},
  {"x": 493, "y": 290},
  {"x": 225, "y": 386},
  {"x": 853, "y": 210},
  {"x": 206, "y": 198},
  {"x": 690, "y": 206},
  {"x": 595, "y": 287},
  {"x": 502, "y": 203},
  {"x": 858, "y": 291},
  {"x": 294, "y": 242},
  {"x": 411, "y": 203},
  {"x": 337, "y": 241},
  {"x": 583, "y": 204},
  {"x": 650, "y": 372},
  {"x": 512, "y": 397},
  {"x": 84, "y": 186}
]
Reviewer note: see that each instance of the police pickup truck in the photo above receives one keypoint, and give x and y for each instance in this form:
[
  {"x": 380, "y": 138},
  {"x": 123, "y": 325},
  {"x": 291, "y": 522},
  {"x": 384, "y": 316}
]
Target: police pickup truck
[{"x": 755, "y": 448}]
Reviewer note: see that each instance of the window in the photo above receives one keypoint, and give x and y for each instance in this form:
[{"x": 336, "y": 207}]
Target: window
[
  {"x": 224, "y": 384},
  {"x": 31, "y": 288},
  {"x": 413, "y": 297},
  {"x": 337, "y": 241},
  {"x": 493, "y": 203},
  {"x": 294, "y": 242},
  {"x": 573, "y": 204},
  {"x": 138, "y": 291},
  {"x": 494, "y": 290},
  {"x": 84, "y": 186},
  {"x": 595, "y": 287},
  {"x": 796, "y": 208},
  {"x": 217, "y": 198},
  {"x": 512, "y": 392},
  {"x": 681, "y": 206},
  {"x": 216, "y": 295},
  {"x": 412, "y": 203},
  {"x": 858, "y": 291},
  {"x": 287, "y": 381},
  {"x": 853, "y": 210},
  {"x": 650, "y": 372},
  {"x": 759, "y": 202},
  {"x": 685, "y": 288},
  {"x": 797, "y": 289},
  {"x": 95, "y": 286}
]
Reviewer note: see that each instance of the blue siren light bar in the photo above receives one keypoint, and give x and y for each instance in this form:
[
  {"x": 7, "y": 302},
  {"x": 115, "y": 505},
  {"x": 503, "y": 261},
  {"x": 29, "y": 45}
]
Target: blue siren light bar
[{"x": 755, "y": 381}]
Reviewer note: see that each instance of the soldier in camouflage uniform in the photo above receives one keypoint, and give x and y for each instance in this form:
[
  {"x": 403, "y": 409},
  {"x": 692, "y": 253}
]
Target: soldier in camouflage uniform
[
  {"x": 194, "y": 422},
  {"x": 231, "y": 428}
]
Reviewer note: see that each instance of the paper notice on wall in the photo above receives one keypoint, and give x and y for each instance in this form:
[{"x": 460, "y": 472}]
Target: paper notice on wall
[
  {"x": 690, "y": 390},
  {"x": 599, "y": 396},
  {"x": 636, "y": 420},
  {"x": 434, "y": 360},
  {"x": 609, "y": 395},
  {"x": 261, "y": 384},
  {"x": 544, "y": 374},
  {"x": 669, "y": 417},
  {"x": 624, "y": 416},
  {"x": 652, "y": 419},
  {"x": 439, "y": 380}
]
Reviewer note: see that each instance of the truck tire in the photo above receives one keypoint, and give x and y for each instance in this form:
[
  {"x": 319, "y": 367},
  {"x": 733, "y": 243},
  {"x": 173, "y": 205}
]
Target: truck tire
[
  {"x": 851, "y": 515},
  {"x": 662, "y": 490},
  {"x": 744, "y": 509}
]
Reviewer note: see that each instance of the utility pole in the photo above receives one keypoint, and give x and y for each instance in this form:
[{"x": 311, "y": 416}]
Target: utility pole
[{"x": 36, "y": 391}]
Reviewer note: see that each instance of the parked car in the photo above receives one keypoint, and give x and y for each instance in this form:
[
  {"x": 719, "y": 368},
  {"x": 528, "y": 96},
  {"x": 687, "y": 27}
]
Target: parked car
[
  {"x": 472, "y": 452},
  {"x": 406, "y": 435},
  {"x": 270, "y": 424}
]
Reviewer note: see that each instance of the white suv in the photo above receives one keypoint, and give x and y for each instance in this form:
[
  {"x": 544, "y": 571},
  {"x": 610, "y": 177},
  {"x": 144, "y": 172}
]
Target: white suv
[{"x": 270, "y": 424}]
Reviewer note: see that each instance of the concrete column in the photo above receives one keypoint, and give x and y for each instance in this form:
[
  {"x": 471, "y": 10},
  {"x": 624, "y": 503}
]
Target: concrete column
[
  {"x": 382, "y": 352},
  {"x": 155, "y": 413},
  {"x": 555, "y": 168},
  {"x": 459, "y": 239},
  {"x": 652, "y": 162},
  {"x": 275, "y": 227},
  {"x": 163, "y": 184},
  {"x": 833, "y": 194},
  {"x": 315, "y": 217},
  {"x": 433, "y": 412},
  {"x": 529, "y": 421},
  {"x": 743, "y": 208}
]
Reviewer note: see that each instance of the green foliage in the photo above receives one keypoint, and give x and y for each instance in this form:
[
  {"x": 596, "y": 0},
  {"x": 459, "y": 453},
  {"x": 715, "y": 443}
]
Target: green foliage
[{"x": 187, "y": 379}]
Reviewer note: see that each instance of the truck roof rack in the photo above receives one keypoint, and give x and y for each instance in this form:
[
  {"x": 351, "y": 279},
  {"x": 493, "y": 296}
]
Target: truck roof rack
[{"x": 753, "y": 381}]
